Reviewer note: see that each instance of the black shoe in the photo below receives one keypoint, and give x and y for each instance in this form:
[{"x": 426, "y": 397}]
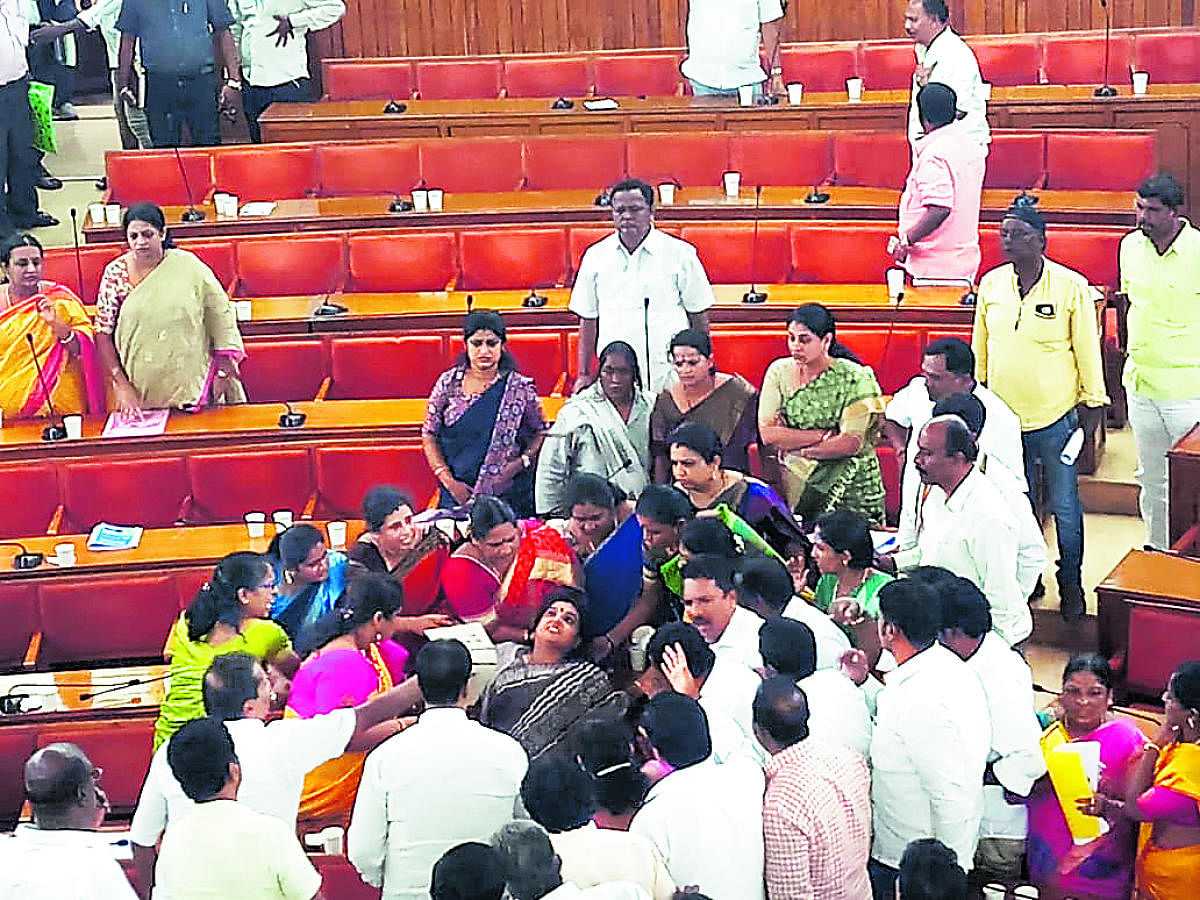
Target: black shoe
[
  {"x": 49, "y": 183},
  {"x": 1071, "y": 604},
  {"x": 1039, "y": 591},
  {"x": 102, "y": 184},
  {"x": 65, "y": 113},
  {"x": 38, "y": 220}
]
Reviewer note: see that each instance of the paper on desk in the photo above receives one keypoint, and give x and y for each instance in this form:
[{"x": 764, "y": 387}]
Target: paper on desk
[
  {"x": 258, "y": 208},
  {"x": 152, "y": 422},
  {"x": 114, "y": 537},
  {"x": 601, "y": 105}
]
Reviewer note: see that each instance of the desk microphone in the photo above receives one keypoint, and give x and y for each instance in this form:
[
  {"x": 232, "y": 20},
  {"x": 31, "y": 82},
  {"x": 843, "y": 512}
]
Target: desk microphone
[
  {"x": 1106, "y": 90},
  {"x": 75, "y": 241},
  {"x": 753, "y": 295},
  {"x": 51, "y": 432},
  {"x": 534, "y": 300},
  {"x": 470, "y": 302},
  {"x": 291, "y": 418},
  {"x": 132, "y": 682},
  {"x": 816, "y": 196},
  {"x": 646, "y": 329},
  {"x": 191, "y": 214},
  {"x": 1025, "y": 199},
  {"x": 967, "y": 299},
  {"x": 394, "y": 107},
  {"x": 24, "y": 560},
  {"x": 329, "y": 308},
  {"x": 399, "y": 204}
]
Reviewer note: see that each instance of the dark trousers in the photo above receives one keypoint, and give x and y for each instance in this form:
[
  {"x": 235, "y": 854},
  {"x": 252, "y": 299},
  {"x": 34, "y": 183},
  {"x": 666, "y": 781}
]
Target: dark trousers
[
  {"x": 172, "y": 100},
  {"x": 18, "y": 160},
  {"x": 256, "y": 99},
  {"x": 45, "y": 60},
  {"x": 883, "y": 880},
  {"x": 1062, "y": 486}
]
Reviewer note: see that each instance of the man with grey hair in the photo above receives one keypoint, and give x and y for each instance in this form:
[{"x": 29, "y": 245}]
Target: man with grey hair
[
  {"x": 533, "y": 870},
  {"x": 965, "y": 525},
  {"x": 61, "y": 856}
]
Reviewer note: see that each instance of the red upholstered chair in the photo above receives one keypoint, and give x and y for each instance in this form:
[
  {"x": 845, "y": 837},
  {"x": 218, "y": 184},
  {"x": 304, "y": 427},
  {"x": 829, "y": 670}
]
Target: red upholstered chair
[
  {"x": 1012, "y": 61},
  {"x": 386, "y": 167},
  {"x": 694, "y": 160},
  {"x": 58, "y": 264},
  {"x": 121, "y": 747},
  {"x": 373, "y": 368},
  {"x": 1098, "y": 161},
  {"x": 278, "y": 172},
  {"x": 95, "y": 618},
  {"x": 1092, "y": 251},
  {"x": 871, "y": 159},
  {"x": 819, "y": 67},
  {"x": 488, "y": 165},
  {"x": 344, "y": 474},
  {"x": 292, "y": 370},
  {"x": 581, "y": 237},
  {"x": 1171, "y": 58},
  {"x": 565, "y": 76},
  {"x": 226, "y": 486},
  {"x": 19, "y": 613},
  {"x": 413, "y": 261},
  {"x": 458, "y": 79},
  {"x": 541, "y": 356},
  {"x": 637, "y": 75},
  {"x": 292, "y": 267},
  {"x": 887, "y": 66},
  {"x": 37, "y": 486},
  {"x": 889, "y": 468},
  {"x": 1159, "y": 640},
  {"x": 218, "y": 256},
  {"x": 1079, "y": 59},
  {"x": 728, "y": 252},
  {"x": 782, "y": 158},
  {"x": 573, "y": 163},
  {"x": 188, "y": 582},
  {"x": 365, "y": 79},
  {"x": 339, "y": 879},
  {"x": 748, "y": 352},
  {"x": 17, "y": 743},
  {"x": 840, "y": 253},
  {"x": 149, "y": 491},
  {"x": 1016, "y": 160},
  {"x": 154, "y": 176},
  {"x": 895, "y": 357},
  {"x": 495, "y": 259},
  {"x": 991, "y": 254}
]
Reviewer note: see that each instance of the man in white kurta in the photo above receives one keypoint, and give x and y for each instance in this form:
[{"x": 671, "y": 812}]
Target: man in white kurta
[
  {"x": 945, "y": 58},
  {"x": 723, "y": 38}
]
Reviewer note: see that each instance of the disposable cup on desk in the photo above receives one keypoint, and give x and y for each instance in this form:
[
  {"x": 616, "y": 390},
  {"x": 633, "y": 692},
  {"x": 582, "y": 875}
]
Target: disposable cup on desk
[
  {"x": 96, "y": 211},
  {"x": 746, "y": 95},
  {"x": 420, "y": 200},
  {"x": 733, "y": 183},
  {"x": 227, "y": 205},
  {"x": 256, "y": 524},
  {"x": 112, "y": 213},
  {"x": 337, "y": 535},
  {"x": 795, "y": 92},
  {"x": 437, "y": 199},
  {"x": 666, "y": 193},
  {"x": 854, "y": 89},
  {"x": 74, "y": 425},
  {"x": 1141, "y": 81},
  {"x": 243, "y": 310},
  {"x": 1026, "y": 892},
  {"x": 994, "y": 891},
  {"x": 282, "y": 519},
  {"x": 333, "y": 839},
  {"x": 895, "y": 282},
  {"x": 64, "y": 555}
]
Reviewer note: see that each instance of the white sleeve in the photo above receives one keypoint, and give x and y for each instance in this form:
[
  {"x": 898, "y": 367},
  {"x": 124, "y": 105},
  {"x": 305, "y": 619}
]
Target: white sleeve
[
  {"x": 585, "y": 300},
  {"x": 769, "y": 10},
  {"x": 1016, "y": 735},
  {"x": 318, "y": 14},
  {"x": 366, "y": 839},
  {"x": 305, "y": 744},
  {"x": 296, "y": 876},
  {"x": 992, "y": 545},
  {"x": 109, "y": 882},
  {"x": 150, "y": 817},
  {"x": 899, "y": 408},
  {"x": 695, "y": 293}
]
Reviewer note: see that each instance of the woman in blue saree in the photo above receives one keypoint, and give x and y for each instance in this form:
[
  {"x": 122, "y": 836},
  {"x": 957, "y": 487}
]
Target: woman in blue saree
[
  {"x": 483, "y": 422},
  {"x": 309, "y": 576}
]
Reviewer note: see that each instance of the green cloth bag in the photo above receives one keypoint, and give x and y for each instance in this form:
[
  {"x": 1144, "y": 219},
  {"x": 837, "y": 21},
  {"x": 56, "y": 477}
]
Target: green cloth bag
[{"x": 41, "y": 99}]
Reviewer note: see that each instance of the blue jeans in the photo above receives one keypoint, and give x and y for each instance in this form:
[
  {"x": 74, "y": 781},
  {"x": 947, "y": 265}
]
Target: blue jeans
[
  {"x": 1062, "y": 488},
  {"x": 172, "y": 100},
  {"x": 883, "y": 880},
  {"x": 703, "y": 90}
]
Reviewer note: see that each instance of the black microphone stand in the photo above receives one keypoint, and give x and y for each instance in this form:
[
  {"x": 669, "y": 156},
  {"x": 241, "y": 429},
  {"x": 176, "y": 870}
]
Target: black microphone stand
[
  {"x": 753, "y": 295},
  {"x": 51, "y": 432},
  {"x": 1106, "y": 90}
]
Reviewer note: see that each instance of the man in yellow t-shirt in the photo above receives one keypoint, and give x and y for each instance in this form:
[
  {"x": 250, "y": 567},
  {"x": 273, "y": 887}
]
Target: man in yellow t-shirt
[
  {"x": 1160, "y": 274},
  {"x": 1037, "y": 347}
]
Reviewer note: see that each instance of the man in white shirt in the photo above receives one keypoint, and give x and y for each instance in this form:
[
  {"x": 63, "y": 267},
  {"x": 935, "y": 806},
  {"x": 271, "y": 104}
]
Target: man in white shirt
[
  {"x": 272, "y": 41},
  {"x": 964, "y": 524},
  {"x": 724, "y": 688},
  {"x": 18, "y": 160},
  {"x": 444, "y": 781},
  {"x": 274, "y": 758},
  {"x": 705, "y": 819},
  {"x": 639, "y": 286},
  {"x": 532, "y": 869},
  {"x": 62, "y": 855},
  {"x": 945, "y": 58},
  {"x": 948, "y": 367},
  {"x": 723, "y": 42},
  {"x": 710, "y": 603},
  {"x": 1015, "y": 760},
  {"x": 930, "y": 744}
]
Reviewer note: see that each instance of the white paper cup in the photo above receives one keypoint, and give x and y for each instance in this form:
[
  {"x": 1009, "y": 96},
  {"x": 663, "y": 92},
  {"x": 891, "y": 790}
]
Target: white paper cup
[
  {"x": 733, "y": 183},
  {"x": 666, "y": 193},
  {"x": 243, "y": 310},
  {"x": 746, "y": 95},
  {"x": 282, "y": 519},
  {"x": 895, "y": 282},
  {"x": 436, "y": 199},
  {"x": 994, "y": 891},
  {"x": 231, "y": 206},
  {"x": 333, "y": 839},
  {"x": 74, "y": 425},
  {"x": 96, "y": 211},
  {"x": 854, "y": 88},
  {"x": 1026, "y": 892},
  {"x": 420, "y": 200},
  {"x": 795, "y": 93},
  {"x": 256, "y": 524},
  {"x": 337, "y": 535},
  {"x": 1141, "y": 81},
  {"x": 64, "y": 555},
  {"x": 987, "y": 90},
  {"x": 112, "y": 213},
  {"x": 638, "y": 642}
]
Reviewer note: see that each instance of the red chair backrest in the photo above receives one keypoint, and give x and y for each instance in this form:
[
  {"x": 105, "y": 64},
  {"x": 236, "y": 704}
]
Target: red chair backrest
[
  {"x": 565, "y": 76},
  {"x": 387, "y": 167},
  {"x": 466, "y": 79},
  {"x": 748, "y": 353},
  {"x": 365, "y": 79},
  {"x": 640, "y": 75},
  {"x": 19, "y": 613},
  {"x": 226, "y": 486},
  {"x": 122, "y": 748},
  {"x": 17, "y": 743},
  {"x": 489, "y": 165},
  {"x": 513, "y": 258},
  {"x": 541, "y": 356},
  {"x": 991, "y": 254},
  {"x": 731, "y": 255},
  {"x": 887, "y": 67},
  {"x": 275, "y": 371},
  {"x": 1016, "y": 160},
  {"x": 694, "y": 160},
  {"x": 1159, "y": 640},
  {"x": 1169, "y": 58},
  {"x": 581, "y": 238},
  {"x": 147, "y": 492},
  {"x": 1100, "y": 161},
  {"x": 1070, "y": 59},
  {"x": 372, "y": 368},
  {"x": 872, "y": 159},
  {"x": 345, "y": 474},
  {"x": 819, "y": 67},
  {"x": 267, "y": 173},
  {"x": 1008, "y": 62},
  {"x": 218, "y": 256},
  {"x": 154, "y": 176},
  {"x": 782, "y": 158},
  {"x": 842, "y": 253},
  {"x": 292, "y": 267},
  {"x": 36, "y": 484},
  {"x": 894, "y": 353},
  {"x": 1091, "y": 251},
  {"x": 105, "y": 618},
  {"x": 890, "y": 470},
  {"x": 558, "y": 164},
  {"x": 58, "y": 264},
  {"x": 385, "y": 263}
]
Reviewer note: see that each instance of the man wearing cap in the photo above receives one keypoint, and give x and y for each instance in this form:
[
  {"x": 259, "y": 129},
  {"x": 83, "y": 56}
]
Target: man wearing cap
[
  {"x": 1037, "y": 347},
  {"x": 944, "y": 58},
  {"x": 939, "y": 209}
]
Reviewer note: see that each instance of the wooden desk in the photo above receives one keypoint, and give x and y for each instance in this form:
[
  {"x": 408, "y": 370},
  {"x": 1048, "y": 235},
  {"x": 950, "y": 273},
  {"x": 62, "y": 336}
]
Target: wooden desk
[
  {"x": 1183, "y": 466},
  {"x": 578, "y": 208},
  {"x": 1149, "y": 617},
  {"x": 59, "y": 695}
]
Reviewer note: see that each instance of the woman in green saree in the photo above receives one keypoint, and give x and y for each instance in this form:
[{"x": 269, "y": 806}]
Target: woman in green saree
[
  {"x": 166, "y": 332},
  {"x": 820, "y": 411}
]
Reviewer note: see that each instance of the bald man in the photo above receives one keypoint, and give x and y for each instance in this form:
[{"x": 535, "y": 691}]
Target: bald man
[{"x": 61, "y": 856}]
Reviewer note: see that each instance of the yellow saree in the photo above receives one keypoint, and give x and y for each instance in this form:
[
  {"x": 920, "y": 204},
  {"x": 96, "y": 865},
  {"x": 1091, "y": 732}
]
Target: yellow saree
[{"x": 1171, "y": 873}]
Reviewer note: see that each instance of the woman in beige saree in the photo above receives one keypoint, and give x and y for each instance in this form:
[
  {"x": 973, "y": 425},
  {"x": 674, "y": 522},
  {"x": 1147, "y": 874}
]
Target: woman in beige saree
[{"x": 165, "y": 330}]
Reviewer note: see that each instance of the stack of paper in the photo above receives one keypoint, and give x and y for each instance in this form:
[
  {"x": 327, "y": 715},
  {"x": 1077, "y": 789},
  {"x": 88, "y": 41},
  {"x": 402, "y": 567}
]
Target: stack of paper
[{"x": 114, "y": 537}]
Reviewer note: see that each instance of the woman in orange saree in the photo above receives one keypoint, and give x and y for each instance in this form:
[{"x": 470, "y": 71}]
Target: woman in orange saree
[{"x": 45, "y": 319}]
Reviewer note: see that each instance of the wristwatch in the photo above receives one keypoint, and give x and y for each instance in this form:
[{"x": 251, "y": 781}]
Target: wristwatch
[
  {"x": 777, "y": 70},
  {"x": 233, "y": 83}
]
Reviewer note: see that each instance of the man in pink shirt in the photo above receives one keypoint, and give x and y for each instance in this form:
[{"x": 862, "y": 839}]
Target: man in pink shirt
[{"x": 939, "y": 210}]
